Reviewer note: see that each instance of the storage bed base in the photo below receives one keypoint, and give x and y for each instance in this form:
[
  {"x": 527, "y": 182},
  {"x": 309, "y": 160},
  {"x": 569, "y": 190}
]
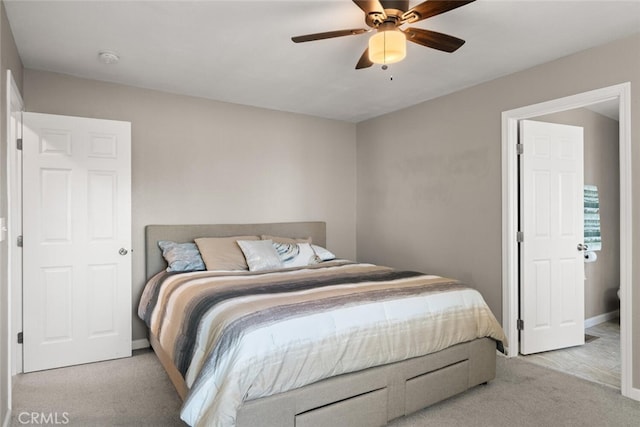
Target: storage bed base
[
  {"x": 174, "y": 375},
  {"x": 370, "y": 397}
]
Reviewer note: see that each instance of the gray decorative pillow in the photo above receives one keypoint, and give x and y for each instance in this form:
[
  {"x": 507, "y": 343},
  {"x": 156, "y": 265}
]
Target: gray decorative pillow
[
  {"x": 260, "y": 255},
  {"x": 181, "y": 256}
]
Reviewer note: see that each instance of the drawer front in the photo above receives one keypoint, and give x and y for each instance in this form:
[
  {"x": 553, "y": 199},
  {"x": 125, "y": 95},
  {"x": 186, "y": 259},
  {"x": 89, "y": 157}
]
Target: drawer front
[
  {"x": 366, "y": 410},
  {"x": 432, "y": 387}
]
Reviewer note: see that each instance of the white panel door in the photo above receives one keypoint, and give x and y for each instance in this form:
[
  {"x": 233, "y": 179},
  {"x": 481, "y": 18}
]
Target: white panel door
[
  {"x": 77, "y": 237},
  {"x": 14, "y": 219},
  {"x": 551, "y": 214}
]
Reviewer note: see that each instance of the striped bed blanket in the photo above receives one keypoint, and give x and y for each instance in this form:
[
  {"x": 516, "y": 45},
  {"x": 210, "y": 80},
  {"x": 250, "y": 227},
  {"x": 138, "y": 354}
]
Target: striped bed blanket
[{"x": 238, "y": 336}]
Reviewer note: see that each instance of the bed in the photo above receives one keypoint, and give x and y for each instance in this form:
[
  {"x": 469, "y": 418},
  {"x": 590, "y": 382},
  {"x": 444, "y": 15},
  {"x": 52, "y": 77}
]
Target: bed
[{"x": 349, "y": 372}]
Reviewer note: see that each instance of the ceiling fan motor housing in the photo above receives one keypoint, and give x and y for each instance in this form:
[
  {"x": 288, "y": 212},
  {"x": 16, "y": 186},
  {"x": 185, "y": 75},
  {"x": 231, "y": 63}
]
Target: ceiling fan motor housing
[
  {"x": 394, "y": 9},
  {"x": 401, "y": 5}
]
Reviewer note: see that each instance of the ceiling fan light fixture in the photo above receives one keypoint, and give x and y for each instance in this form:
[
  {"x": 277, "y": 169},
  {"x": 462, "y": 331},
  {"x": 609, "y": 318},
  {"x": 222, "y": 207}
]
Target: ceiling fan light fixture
[{"x": 387, "y": 47}]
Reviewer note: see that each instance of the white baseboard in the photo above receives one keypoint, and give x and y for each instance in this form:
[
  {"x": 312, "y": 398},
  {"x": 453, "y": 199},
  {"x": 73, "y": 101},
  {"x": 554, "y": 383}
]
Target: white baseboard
[
  {"x": 138, "y": 344},
  {"x": 634, "y": 394},
  {"x": 601, "y": 318},
  {"x": 7, "y": 419}
]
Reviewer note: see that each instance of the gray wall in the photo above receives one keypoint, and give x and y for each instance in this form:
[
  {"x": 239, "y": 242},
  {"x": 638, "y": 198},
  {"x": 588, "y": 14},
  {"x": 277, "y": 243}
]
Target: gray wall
[
  {"x": 429, "y": 176},
  {"x": 9, "y": 60},
  {"x": 200, "y": 161},
  {"x": 601, "y": 168}
]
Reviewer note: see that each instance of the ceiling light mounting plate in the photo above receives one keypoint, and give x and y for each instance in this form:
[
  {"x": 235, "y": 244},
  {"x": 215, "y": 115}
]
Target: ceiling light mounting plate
[{"x": 108, "y": 57}]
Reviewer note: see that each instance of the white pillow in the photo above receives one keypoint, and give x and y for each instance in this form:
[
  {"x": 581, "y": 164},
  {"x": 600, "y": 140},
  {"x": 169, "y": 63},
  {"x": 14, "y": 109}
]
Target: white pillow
[
  {"x": 306, "y": 256},
  {"x": 286, "y": 251},
  {"x": 323, "y": 253},
  {"x": 260, "y": 255}
]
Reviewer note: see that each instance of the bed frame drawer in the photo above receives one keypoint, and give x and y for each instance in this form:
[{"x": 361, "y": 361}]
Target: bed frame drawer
[
  {"x": 369, "y": 397},
  {"x": 435, "y": 386},
  {"x": 366, "y": 410}
]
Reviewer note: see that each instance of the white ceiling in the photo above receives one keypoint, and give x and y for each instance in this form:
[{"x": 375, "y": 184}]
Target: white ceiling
[{"x": 241, "y": 51}]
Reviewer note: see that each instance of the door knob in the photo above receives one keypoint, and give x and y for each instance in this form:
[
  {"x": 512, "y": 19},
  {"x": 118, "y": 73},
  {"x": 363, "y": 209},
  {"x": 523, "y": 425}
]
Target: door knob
[
  {"x": 582, "y": 247},
  {"x": 123, "y": 251}
]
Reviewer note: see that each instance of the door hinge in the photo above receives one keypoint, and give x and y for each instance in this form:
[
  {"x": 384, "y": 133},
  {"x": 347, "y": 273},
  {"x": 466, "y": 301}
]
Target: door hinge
[
  {"x": 520, "y": 237},
  {"x": 519, "y": 149},
  {"x": 19, "y": 143},
  {"x": 19, "y": 241},
  {"x": 520, "y": 324},
  {"x": 20, "y": 338}
]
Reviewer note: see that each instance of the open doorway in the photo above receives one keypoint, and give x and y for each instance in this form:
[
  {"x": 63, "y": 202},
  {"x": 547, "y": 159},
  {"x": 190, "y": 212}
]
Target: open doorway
[
  {"x": 621, "y": 95},
  {"x": 598, "y": 359}
]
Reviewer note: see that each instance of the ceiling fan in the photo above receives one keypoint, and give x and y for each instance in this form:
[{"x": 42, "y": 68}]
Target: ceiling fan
[{"x": 388, "y": 45}]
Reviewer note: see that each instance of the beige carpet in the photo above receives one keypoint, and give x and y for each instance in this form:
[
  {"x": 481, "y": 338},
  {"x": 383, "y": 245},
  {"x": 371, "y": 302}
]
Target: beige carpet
[
  {"x": 125, "y": 392},
  {"x": 136, "y": 392}
]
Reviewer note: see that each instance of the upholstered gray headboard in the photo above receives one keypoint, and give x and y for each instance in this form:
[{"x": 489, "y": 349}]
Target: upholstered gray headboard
[{"x": 188, "y": 232}]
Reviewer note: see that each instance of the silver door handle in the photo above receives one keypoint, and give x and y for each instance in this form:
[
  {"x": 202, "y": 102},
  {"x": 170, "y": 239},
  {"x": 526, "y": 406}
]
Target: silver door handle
[
  {"x": 123, "y": 251},
  {"x": 583, "y": 247}
]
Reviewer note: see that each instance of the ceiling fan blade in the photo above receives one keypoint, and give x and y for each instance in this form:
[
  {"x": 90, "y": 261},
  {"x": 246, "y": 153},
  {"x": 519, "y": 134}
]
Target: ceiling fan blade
[
  {"x": 431, "y": 8},
  {"x": 371, "y": 6},
  {"x": 364, "y": 61},
  {"x": 328, "y": 35},
  {"x": 433, "y": 39}
]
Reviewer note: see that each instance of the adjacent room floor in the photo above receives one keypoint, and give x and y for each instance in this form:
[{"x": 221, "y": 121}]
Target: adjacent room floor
[{"x": 597, "y": 360}]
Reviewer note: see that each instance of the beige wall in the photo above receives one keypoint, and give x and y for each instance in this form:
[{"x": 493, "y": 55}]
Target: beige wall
[
  {"x": 9, "y": 60},
  {"x": 201, "y": 161},
  {"x": 429, "y": 176},
  {"x": 601, "y": 168}
]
